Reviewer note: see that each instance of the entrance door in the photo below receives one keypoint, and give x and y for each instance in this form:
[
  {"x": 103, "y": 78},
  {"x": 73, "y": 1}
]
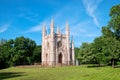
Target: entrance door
[{"x": 60, "y": 58}]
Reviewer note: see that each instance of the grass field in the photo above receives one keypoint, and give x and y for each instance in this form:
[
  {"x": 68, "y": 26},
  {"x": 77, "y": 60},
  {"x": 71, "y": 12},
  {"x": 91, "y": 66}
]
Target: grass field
[{"x": 60, "y": 73}]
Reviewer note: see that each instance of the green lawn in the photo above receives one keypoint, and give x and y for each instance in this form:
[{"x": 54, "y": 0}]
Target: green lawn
[{"x": 60, "y": 73}]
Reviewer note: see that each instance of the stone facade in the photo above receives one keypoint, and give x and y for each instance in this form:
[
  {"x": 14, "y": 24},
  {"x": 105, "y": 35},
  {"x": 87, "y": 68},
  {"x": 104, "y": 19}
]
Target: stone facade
[{"x": 56, "y": 47}]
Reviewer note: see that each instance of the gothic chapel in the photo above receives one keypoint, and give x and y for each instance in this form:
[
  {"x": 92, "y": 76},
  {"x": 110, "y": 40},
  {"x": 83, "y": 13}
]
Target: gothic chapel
[{"x": 56, "y": 47}]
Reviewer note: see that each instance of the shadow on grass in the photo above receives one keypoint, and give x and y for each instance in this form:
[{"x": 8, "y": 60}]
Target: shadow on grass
[
  {"x": 6, "y": 75},
  {"x": 117, "y": 66},
  {"x": 92, "y": 66}
]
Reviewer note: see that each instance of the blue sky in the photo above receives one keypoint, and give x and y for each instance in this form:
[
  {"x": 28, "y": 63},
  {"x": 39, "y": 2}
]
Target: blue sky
[{"x": 27, "y": 17}]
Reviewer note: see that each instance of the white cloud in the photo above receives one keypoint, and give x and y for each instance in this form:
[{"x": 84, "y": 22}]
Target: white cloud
[
  {"x": 91, "y": 6},
  {"x": 35, "y": 28},
  {"x": 79, "y": 28},
  {"x": 28, "y": 14},
  {"x": 38, "y": 28},
  {"x": 4, "y": 27}
]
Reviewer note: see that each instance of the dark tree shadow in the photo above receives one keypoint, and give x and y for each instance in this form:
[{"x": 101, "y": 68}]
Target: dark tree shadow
[
  {"x": 92, "y": 66},
  {"x": 6, "y": 75},
  {"x": 118, "y": 66}
]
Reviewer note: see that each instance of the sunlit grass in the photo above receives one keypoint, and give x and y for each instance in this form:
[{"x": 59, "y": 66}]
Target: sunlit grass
[{"x": 61, "y": 73}]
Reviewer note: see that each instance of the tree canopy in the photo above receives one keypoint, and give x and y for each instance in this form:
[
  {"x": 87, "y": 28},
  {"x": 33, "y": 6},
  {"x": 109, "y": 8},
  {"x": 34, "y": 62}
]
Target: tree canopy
[{"x": 21, "y": 51}]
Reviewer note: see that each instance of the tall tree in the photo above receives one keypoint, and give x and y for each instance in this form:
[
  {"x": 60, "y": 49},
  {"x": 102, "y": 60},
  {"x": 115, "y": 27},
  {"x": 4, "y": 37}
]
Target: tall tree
[
  {"x": 24, "y": 48},
  {"x": 111, "y": 49},
  {"x": 111, "y": 34}
]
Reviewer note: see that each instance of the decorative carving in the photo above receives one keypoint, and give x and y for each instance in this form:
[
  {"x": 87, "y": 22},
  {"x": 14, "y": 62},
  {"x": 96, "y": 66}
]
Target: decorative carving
[{"x": 59, "y": 44}]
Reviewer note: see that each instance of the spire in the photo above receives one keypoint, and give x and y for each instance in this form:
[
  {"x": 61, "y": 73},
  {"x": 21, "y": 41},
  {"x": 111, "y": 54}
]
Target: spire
[
  {"x": 44, "y": 30},
  {"x": 73, "y": 55},
  {"x": 72, "y": 42},
  {"x": 67, "y": 28},
  {"x": 52, "y": 25},
  {"x": 58, "y": 30},
  {"x": 52, "y": 22}
]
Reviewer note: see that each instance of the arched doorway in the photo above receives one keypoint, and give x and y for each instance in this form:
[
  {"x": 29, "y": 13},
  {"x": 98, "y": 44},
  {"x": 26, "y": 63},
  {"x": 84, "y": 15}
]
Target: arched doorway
[{"x": 60, "y": 58}]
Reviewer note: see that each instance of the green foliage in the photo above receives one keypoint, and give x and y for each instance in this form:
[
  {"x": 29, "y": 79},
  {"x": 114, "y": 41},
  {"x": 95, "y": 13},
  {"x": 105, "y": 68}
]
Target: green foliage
[
  {"x": 24, "y": 48},
  {"x": 76, "y": 52},
  {"x": 37, "y": 54},
  {"x": 112, "y": 50},
  {"x": 107, "y": 32},
  {"x": 114, "y": 23},
  {"x": 4, "y": 62},
  {"x": 16, "y": 52},
  {"x": 85, "y": 53}
]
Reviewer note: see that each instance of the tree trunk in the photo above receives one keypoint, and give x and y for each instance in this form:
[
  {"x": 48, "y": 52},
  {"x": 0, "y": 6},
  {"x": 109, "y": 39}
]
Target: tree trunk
[
  {"x": 113, "y": 65},
  {"x": 99, "y": 64}
]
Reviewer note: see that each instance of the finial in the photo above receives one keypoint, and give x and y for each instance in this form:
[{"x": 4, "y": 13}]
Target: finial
[
  {"x": 58, "y": 30},
  {"x": 52, "y": 26},
  {"x": 44, "y": 30},
  {"x": 66, "y": 23},
  {"x": 67, "y": 26},
  {"x": 52, "y": 21}
]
